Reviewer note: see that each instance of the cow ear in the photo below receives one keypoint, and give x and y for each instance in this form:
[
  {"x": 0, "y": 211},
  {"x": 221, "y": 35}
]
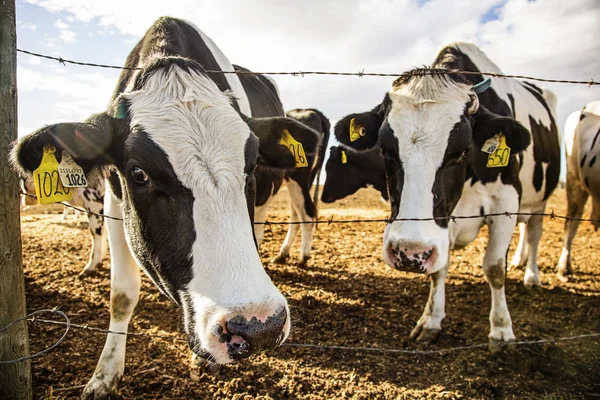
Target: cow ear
[
  {"x": 487, "y": 124},
  {"x": 359, "y": 131},
  {"x": 284, "y": 142},
  {"x": 90, "y": 143}
]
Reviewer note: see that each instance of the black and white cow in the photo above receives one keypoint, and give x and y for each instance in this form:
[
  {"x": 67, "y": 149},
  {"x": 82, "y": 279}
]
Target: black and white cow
[
  {"x": 182, "y": 145},
  {"x": 92, "y": 200},
  {"x": 582, "y": 143},
  {"x": 349, "y": 170},
  {"x": 431, "y": 130}
]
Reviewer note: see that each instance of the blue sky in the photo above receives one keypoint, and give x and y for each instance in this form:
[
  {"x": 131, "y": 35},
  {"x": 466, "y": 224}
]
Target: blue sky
[{"x": 552, "y": 38}]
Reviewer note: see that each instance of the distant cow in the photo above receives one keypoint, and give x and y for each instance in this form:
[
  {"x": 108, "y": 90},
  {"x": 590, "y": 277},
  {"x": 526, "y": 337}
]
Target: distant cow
[
  {"x": 183, "y": 145},
  {"x": 433, "y": 128},
  {"x": 582, "y": 139},
  {"x": 349, "y": 170},
  {"x": 92, "y": 200}
]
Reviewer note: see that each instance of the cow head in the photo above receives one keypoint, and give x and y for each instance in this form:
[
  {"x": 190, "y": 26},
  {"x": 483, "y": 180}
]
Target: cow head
[
  {"x": 185, "y": 161},
  {"x": 431, "y": 128},
  {"x": 349, "y": 171}
]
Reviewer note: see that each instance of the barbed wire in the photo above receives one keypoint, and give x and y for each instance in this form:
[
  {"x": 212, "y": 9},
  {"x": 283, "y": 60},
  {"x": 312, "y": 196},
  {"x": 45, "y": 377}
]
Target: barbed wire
[
  {"x": 331, "y": 220},
  {"x": 360, "y": 74},
  {"x": 68, "y": 324},
  {"x": 28, "y": 317}
]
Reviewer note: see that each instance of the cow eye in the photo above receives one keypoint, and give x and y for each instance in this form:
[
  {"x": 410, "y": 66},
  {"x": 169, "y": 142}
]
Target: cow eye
[{"x": 139, "y": 176}]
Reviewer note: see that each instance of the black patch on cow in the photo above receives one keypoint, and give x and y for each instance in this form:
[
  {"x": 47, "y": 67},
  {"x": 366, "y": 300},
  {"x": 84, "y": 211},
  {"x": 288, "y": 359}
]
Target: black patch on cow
[
  {"x": 592, "y": 161},
  {"x": 393, "y": 167},
  {"x": 512, "y": 103},
  {"x": 98, "y": 231},
  {"x": 587, "y": 182},
  {"x": 582, "y": 162},
  {"x": 595, "y": 139},
  {"x": 481, "y": 211},
  {"x": 115, "y": 184},
  {"x": 546, "y": 148},
  {"x": 153, "y": 210},
  {"x": 86, "y": 195},
  {"x": 250, "y": 160},
  {"x": 582, "y": 116}
]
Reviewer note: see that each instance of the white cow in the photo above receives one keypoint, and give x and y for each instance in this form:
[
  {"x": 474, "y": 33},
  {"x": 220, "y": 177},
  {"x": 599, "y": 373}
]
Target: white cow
[{"x": 582, "y": 140}]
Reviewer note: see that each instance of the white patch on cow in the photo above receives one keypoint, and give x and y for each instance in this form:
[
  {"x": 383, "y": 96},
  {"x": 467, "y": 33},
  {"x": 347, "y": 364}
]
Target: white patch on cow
[
  {"x": 232, "y": 79},
  {"x": 300, "y": 114},
  {"x": 298, "y": 213},
  {"x": 569, "y": 131},
  {"x": 423, "y": 113},
  {"x": 204, "y": 138}
]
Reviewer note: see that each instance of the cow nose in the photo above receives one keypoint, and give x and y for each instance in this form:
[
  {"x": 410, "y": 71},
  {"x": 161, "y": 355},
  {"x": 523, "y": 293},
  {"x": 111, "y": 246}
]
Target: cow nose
[
  {"x": 245, "y": 337},
  {"x": 412, "y": 256}
]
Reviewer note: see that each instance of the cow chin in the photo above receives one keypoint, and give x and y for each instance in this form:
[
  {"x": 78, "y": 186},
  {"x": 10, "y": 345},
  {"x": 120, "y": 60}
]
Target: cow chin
[
  {"x": 225, "y": 335},
  {"x": 410, "y": 248}
]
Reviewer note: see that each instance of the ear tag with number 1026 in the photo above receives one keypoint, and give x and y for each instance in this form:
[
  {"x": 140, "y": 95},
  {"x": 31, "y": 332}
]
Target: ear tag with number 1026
[
  {"x": 48, "y": 187},
  {"x": 71, "y": 174},
  {"x": 295, "y": 147}
]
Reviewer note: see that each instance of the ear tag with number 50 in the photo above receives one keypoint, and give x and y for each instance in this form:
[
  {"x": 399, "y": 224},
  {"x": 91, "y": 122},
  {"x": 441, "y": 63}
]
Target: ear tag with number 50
[
  {"x": 501, "y": 156},
  {"x": 48, "y": 187},
  {"x": 295, "y": 147},
  {"x": 71, "y": 174}
]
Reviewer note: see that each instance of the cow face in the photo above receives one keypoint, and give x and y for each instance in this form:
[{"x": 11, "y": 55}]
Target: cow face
[
  {"x": 432, "y": 129},
  {"x": 185, "y": 161},
  {"x": 340, "y": 180}
]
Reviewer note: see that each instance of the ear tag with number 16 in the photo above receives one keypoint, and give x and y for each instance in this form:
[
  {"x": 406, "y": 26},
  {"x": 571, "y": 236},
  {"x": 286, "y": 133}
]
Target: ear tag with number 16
[
  {"x": 71, "y": 174},
  {"x": 46, "y": 180}
]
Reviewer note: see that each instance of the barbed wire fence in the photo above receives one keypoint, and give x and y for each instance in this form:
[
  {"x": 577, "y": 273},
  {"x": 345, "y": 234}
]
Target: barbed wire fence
[
  {"x": 331, "y": 220},
  {"x": 33, "y": 318},
  {"x": 360, "y": 74}
]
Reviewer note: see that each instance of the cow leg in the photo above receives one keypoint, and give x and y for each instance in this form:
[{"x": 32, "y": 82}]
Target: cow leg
[
  {"x": 65, "y": 214},
  {"x": 576, "y": 199},
  {"x": 260, "y": 215},
  {"x": 284, "y": 253},
  {"x": 306, "y": 212},
  {"x": 429, "y": 325},
  {"x": 534, "y": 234},
  {"x": 125, "y": 282},
  {"x": 494, "y": 267},
  {"x": 98, "y": 250},
  {"x": 520, "y": 257}
]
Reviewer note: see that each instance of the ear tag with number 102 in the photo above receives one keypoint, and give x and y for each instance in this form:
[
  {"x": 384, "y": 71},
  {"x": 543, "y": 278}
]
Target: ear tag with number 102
[
  {"x": 48, "y": 187},
  {"x": 295, "y": 147},
  {"x": 71, "y": 174}
]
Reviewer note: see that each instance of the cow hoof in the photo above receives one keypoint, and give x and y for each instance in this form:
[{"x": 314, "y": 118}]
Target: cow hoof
[
  {"x": 425, "y": 335},
  {"x": 496, "y": 346},
  {"x": 562, "y": 276},
  {"x": 532, "y": 280},
  {"x": 303, "y": 262},
  {"x": 281, "y": 259},
  {"x": 100, "y": 390},
  {"x": 89, "y": 270}
]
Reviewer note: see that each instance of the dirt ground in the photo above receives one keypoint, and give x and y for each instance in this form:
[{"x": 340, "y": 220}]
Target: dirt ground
[{"x": 346, "y": 296}]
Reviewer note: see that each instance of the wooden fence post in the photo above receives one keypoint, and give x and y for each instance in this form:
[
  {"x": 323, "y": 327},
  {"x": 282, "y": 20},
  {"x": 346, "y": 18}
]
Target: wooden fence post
[{"x": 15, "y": 379}]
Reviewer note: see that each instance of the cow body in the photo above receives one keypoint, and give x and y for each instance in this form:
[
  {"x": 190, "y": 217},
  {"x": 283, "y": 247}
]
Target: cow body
[
  {"x": 432, "y": 127},
  {"x": 180, "y": 156},
  {"x": 349, "y": 170},
  {"x": 582, "y": 139}
]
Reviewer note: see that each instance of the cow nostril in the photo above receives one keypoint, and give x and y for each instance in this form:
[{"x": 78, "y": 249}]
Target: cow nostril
[
  {"x": 253, "y": 335},
  {"x": 238, "y": 347}
]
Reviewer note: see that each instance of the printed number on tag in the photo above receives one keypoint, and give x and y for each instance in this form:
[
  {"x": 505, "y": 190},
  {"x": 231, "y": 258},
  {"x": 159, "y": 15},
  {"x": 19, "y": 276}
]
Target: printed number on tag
[
  {"x": 295, "y": 148},
  {"x": 71, "y": 174},
  {"x": 48, "y": 187},
  {"x": 344, "y": 157},
  {"x": 501, "y": 156},
  {"x": 491, "y": 145}
]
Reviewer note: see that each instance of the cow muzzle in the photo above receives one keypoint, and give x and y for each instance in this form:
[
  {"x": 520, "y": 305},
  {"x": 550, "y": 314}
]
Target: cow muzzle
[{"x": 411, "y": 256}]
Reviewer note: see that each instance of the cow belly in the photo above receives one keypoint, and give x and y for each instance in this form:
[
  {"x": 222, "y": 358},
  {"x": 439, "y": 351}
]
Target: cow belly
[{"x": 532, "y": 196}]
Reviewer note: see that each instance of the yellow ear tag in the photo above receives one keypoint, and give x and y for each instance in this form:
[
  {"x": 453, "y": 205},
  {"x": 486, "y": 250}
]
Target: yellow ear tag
[
  {"x": 295, "y": 148},
  {"x": 344, "y": 157},
  {"x": 48, "y": 187},
  {"x": 501, "y": 156},
  {"x": 354, "y": 130}
]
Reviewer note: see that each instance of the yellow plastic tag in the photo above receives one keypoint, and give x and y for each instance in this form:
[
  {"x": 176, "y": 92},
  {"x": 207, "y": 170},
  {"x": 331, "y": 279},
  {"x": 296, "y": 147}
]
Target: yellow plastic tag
[
  {"x": 344, "y": 157},
  {"x": 355, "y": 130},
  {"x": 295, "y": 148},
  {"x": 48, "y": 187},
  {"x": 501, "y": 156}
]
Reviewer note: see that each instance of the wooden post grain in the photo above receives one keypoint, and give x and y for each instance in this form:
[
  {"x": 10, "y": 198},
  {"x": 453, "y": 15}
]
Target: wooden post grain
[{"x": 15, "y": 379}]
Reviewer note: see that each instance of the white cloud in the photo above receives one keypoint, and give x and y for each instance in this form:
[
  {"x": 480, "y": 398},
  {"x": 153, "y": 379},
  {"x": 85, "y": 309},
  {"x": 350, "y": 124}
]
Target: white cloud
[
  {"x": 65, "y": 34},
  {"x": 27, "y": 25}
]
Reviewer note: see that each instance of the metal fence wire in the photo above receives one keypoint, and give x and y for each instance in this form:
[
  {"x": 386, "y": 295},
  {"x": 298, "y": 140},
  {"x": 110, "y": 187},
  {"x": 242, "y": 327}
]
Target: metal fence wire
[
  {"x": 33, "y": 318},
  {"x": 589, "y": 83}
]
